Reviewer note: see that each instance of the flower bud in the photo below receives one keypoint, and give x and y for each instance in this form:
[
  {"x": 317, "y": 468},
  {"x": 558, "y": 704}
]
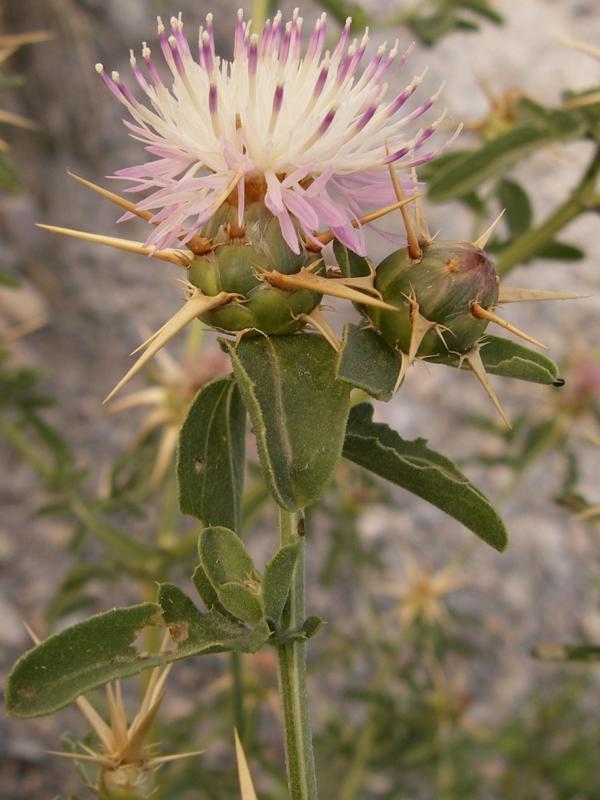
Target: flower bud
[
  {"x": 445, "y": 283},
  {"x": 128, "y": 782},
  {"x": 235, "y": 265}
]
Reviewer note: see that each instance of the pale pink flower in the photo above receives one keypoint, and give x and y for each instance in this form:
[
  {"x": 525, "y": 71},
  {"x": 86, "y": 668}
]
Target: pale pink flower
[{"x": 305, "y": 130}]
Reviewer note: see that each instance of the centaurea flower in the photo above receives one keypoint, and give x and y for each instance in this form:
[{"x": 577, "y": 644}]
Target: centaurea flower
[{"x": 302, "y": 131}]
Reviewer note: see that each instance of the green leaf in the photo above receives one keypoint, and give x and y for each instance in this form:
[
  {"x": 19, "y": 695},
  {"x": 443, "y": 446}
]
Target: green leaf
[
  {"x": 367, "y": 362},
  {"x": 206, "y": 591},
  {"x": 210, "y": 461},
  {"x": 277, "y": 581},
  {"x": 351, "y": 264},
  {"x": 104, "y": 647},
  {"x": 79, "y": 658},
  {"x": 298, "y": 410},
  {"x": 496, "y": 156},
  {"x": 567, "y": 652},
  {"x": 559, "y": 251},
  {"x": 416, "y": 468},
  {"x": 224, "y": 557},
  {"x": 243, "y": 602},
  {"x": 231, "y": 573},
  {"x": 9, "y": 180},
  {"x": 196, "y": 633},
  {"x": 311, "y": 625},
  {"x": 511, "y": 360},
  {"x": 514, "y": 199}
]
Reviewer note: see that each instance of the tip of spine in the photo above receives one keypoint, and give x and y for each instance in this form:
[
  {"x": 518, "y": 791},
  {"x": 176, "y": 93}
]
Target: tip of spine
[
  {"x": 115, "y": 75},
  {"x": 99, "y": 68}
]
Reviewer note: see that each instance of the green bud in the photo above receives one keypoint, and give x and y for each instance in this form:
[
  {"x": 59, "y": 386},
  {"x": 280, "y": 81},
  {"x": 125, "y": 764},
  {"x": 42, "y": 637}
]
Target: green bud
[
  {"x": 448, "y": 279},
  {"x": 129, "y": 782},
  {"x": 235, "y": 265}
]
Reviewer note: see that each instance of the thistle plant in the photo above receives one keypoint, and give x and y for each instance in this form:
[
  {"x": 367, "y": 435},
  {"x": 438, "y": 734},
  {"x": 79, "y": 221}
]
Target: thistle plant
[{"x": 258, "y": 164}]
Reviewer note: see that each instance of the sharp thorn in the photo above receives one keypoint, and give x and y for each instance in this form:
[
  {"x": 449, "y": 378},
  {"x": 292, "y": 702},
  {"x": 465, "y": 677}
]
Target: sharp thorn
[
  {"x": 114, "y": 198},
  {"x": 172, "y": 255},
  {"x": 512, "y": 294},
  {"x": 334, "y": 287},
  {"x": 414, "y": 249},
  {"x": 247, "y": 790},
  {"x": 483, "y": 313},
  {"x": 328, "y": 236},
  {"x": 197, "y": 304},
  {"x": 473, "y": 359},
  {"x": 317, "y": 321},
  {"x": 482, "y": 240},
  {"x": 34, "y": 637},
  {"x": 420, "y": 328}
]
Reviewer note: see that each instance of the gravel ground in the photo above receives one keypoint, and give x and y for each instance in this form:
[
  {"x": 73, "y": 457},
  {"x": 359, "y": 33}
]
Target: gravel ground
[{"x": 96, "y": 299}]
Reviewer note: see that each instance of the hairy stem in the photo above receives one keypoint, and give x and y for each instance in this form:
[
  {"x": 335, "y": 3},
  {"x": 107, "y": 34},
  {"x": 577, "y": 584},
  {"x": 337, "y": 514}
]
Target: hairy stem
[
  {"x": 585, "y": 197},
  {"x": 291, "y": 656}
]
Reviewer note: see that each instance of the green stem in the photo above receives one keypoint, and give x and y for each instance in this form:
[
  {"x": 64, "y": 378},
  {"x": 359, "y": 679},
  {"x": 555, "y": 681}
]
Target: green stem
[
  {"x": 16, "y": 439},
  {"x": 291, "y": 656},
  {"x": 585, "y": 197},
  {"x": 360, "y": 760}
]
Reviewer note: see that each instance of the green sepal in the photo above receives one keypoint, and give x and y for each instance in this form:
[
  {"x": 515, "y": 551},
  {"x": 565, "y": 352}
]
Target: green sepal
[
  {"x": 421, "y": 471},
  {"x": 298, "y": 410},
  {"x": 511, "y": 360},
  {"x": 367, "y": 362},
  {"x": 277, "y": 580},
  {"x": 210, "y": 458}
]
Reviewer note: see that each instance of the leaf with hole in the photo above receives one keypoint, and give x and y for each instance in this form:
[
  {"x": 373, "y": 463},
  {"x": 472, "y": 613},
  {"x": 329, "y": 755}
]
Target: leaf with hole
[{"x": 210, "y": 459}]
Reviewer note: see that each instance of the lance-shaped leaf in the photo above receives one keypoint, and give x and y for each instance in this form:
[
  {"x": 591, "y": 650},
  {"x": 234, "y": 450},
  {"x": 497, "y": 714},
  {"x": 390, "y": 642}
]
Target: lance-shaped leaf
[
  {"x": 496, "y": 156},
  {"x": 567, "y": 652},
  {"x": 511, "y": 360},
  {"x": 77, "y": 659},
  {"x": 298, "y": 410},
  {"x": 105, "y": 647},
  {"x": 416, "y": 468},
  {"x": 519, "y": 214},
  {"x": 210, "y": 460},
  {"x": 367, "y": 362}
]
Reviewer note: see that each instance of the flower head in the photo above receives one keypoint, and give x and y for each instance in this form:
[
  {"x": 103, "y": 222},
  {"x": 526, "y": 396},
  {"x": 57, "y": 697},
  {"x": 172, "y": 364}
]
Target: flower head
[{"x": 302, "y": 130}]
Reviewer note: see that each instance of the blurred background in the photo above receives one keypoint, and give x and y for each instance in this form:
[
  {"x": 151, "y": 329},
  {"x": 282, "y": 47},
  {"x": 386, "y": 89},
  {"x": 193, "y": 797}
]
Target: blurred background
[{"x": 480, "y": 718}]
